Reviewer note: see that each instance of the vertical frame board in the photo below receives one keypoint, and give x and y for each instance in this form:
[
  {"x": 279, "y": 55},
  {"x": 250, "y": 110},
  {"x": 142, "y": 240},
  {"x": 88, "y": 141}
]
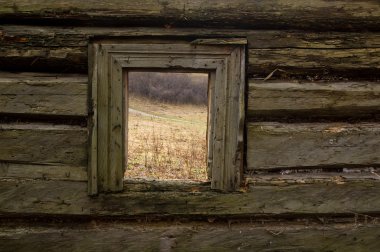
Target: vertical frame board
[
  {"x": 222, "y": 61},
  {"x": 93, "y": 120}
]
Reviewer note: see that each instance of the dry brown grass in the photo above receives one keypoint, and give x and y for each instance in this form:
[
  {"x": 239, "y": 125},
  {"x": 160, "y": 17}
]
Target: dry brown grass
[{"x": 171, "y": 144}]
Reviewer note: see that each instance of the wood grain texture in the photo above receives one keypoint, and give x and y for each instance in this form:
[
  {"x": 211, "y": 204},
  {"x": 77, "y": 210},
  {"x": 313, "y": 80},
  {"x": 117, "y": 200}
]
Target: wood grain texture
[
  {"x": 261, "y": 62},
  {"x": 312, "y": 145},
  {"x": 227, "y": 124},
  {"x": 354, "y": 62},
  {"x": 60, "y": 198},
  {"x": 17, "y": 36},
  {"x": 44, "y": 59},
  {"x": 274, "y": 99},
  {"x": 50, "y": 172},
  {"x": 198, "y": 236},
  {"x": 297, "y": 52},
  {"x": 43, "y": 144},
  {"x": 28, "y": 93},
  {"x": 318, "y": 14}
]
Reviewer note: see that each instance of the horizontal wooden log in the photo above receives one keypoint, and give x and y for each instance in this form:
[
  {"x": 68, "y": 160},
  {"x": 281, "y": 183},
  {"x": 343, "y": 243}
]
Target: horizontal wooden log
[
  {"x": 47, "y": 94},
  {"x": 313, "y": 99},
  {"x": 61, "y": 60},
  {"x": 318, "y": 14},
  {"x": 51, "y": 172},
  {"x": 312, "y": 145},
  {"x": 19, "y": 198},
  {"x": 65, "y": 49},
  {"x": 26, "y": 93},
  {"x": 105, "y": 236},
  {"x": 17, "y": 36},
  {"x": 295, "y": 178},
  {"x": 262, "y": 62},
  {"x": 43, "y": 144},
  {"x": 350, "y": 62}
]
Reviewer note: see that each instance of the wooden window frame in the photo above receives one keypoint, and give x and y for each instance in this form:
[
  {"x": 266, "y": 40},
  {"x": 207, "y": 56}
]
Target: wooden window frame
[{"x": 225, "y": 63}]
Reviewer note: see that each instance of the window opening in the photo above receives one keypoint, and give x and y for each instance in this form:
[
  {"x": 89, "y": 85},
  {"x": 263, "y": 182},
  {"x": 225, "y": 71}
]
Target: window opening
[{"x": 167, "y": 125}]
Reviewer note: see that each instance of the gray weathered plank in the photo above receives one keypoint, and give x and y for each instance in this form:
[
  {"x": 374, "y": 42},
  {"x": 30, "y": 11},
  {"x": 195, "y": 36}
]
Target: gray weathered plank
[
  {"x": 313, "y": 145},
  {"x": 43, "y": 144},
  {"x": 313, "y": 99},
  {"x": 18, "y": 197},
  {"x": 54, "y": 59},
  {"x": 319, "y": 61},
  {"x": 345, "y": 62},
  {"x": 199, "y": 236},
  {"x": 296, "y": 178},
  {"x": 18, "y": 36},
  {"x": 28, "y": 93},
  {"x": 55, "y": 172},
  {"x": 319, "y": 14}
]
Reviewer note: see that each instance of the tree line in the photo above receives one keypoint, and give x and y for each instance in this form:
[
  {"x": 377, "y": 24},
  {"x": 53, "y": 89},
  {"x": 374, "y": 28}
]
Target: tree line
[{"x": 179, "y": 88}]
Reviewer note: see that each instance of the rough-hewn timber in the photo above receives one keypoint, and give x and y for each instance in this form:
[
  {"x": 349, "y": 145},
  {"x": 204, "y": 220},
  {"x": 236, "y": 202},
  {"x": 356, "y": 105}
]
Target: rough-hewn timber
[
  {"x": 28, "y": 93},
  {"x": 262, "y": 62},
  {"x": 195, "y": 236},
  {"x": 296, "y": 52},
  {"x": 298, "y": 100},
  {"x": 28, "y": 197},
  {"x": 275, "y": 179},
  {"x": 66, "y": 95},
  {"x": 351, "y": 62},
  {"x": 43, "y": 144},
  {"x": 317, "y": 14},
  {"x": 17, "y": 36},
  {"x": 45, "y": 59},
  {"x": 60, "y": 172},
  {"x": 309, "y": 145}
]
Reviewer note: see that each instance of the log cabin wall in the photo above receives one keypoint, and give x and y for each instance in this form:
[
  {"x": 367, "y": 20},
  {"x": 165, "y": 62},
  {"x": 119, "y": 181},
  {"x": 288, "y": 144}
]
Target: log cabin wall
[{"x": 312, "y": 131}]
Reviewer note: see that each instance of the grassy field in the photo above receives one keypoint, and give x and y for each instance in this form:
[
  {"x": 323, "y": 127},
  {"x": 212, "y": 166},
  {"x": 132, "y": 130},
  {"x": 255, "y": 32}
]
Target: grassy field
[{"x": 166, "y": 141}]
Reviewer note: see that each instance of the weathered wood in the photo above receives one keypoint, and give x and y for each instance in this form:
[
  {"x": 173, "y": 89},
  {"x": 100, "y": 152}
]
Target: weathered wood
[
  {"x": 196, "y": 236},
  {"x": 31, "y": 93},
  {"x": 65, "y": 49},
  {"x": 17, "y": 36},
  {"x": 318, "y": 14},
  {"x": 262, "y": 62},
  {"x": 280, "y": 99},
  {"x": 43, "y": 144},
  {"x": 312, "y": 145},
  {"x": 227, "y": 125},
  {"x": 25, "y": 93},
  {"x": 297, "y": 178},
  {"x": 62, "y": 59},
  {"x": 93, "y": 122},
  {"x": 351, "y": 62},
  {"x": 55, "y": 172},
  {"x": 21, "y": 197}
]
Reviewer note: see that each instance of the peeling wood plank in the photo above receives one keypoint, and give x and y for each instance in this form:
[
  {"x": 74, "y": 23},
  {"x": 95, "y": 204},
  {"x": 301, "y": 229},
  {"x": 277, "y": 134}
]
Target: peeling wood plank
[
  {"x": 320, "y": 14},
  {"x": 43, "y": 95},
  {"x": 275, "y": 99},
  {"x": 43, "y": 144},
  {"x": 50, "y": 172},
  {"x": 99, "y": 236},
  {"x": 281, "y": 146},
  {"x": 21, "y": 197}
]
